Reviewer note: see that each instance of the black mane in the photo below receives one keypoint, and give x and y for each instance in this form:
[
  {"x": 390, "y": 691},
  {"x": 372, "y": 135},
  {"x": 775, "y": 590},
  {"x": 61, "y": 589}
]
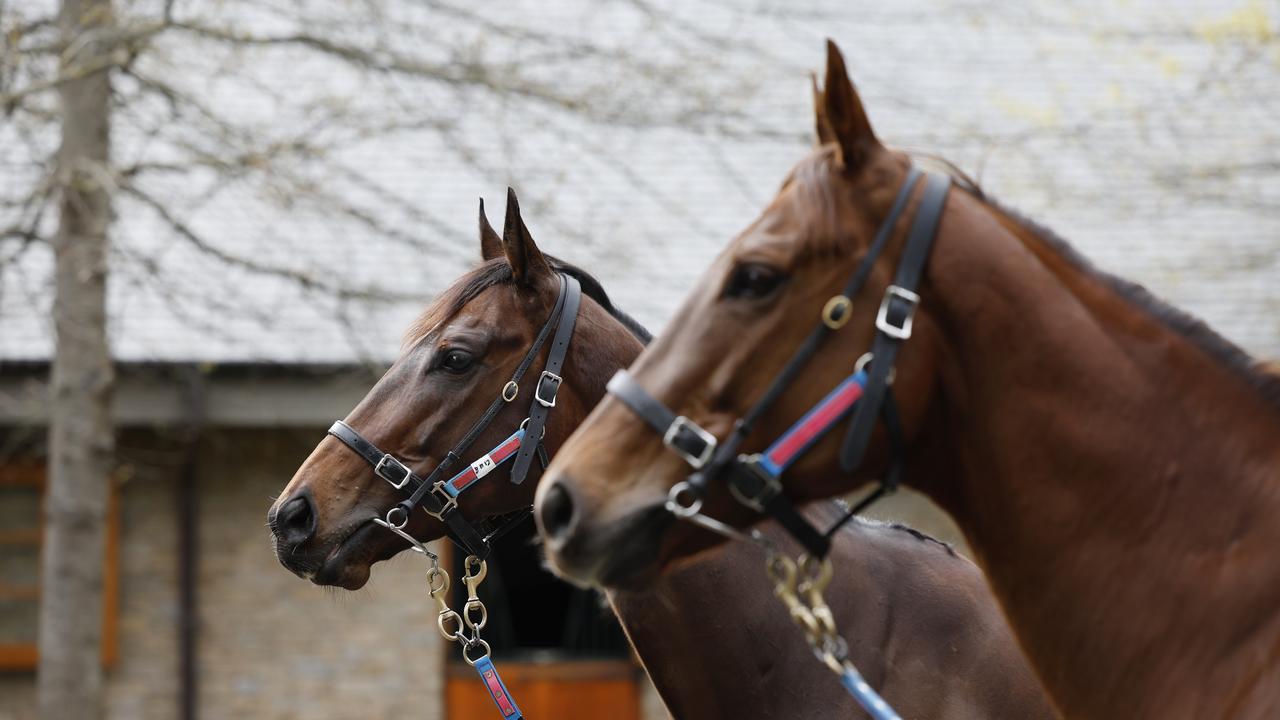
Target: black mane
[
  {"x": 1195, "y": 330},
  {"x": 592, "y": 289},
  {"x": 1181, "y": 322}
]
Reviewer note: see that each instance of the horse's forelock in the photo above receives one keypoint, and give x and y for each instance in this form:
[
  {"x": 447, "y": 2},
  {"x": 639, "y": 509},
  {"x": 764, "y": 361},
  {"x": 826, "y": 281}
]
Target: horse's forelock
[
  {"x": 449, "y": 303},
  {"x": 495, "y": 272},
  {"x": 815, "y": 203}
]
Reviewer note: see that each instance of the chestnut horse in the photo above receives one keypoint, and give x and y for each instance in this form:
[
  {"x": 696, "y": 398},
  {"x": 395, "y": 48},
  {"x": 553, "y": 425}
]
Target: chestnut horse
[
  {"x": 1114, "y": 463},
  {"x": 922, "y": 624}
]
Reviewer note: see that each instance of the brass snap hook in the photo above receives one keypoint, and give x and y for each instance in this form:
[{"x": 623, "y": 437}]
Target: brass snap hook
[
  {"x": 815, "y": 574},
  {"x": 474, "y": 611},
  {"x": 473, "y": 579},
  {"x": 437, "y": 582}
]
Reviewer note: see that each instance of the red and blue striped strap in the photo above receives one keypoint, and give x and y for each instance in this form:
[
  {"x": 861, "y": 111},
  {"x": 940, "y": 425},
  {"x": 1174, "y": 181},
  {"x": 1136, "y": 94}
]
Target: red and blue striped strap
[
  {"x": 497, "y": 690},
  {"x": 809, "y": 429},
  {"x": 487, "y": 463}
]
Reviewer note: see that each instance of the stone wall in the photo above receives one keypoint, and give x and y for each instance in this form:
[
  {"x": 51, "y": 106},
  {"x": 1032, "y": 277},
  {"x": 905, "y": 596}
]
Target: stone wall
[
  {"x": 275, "y": 646},
  {"x": 271, "y": 646}
]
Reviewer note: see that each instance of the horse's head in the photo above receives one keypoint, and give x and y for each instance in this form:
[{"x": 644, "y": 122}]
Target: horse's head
[
  {"x": 743, "y": 321},
  {"x": 457, "y": 359}
]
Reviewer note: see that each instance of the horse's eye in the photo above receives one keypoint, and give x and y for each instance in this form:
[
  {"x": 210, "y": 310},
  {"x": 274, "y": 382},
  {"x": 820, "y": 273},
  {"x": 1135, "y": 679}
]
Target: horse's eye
[
  {"x": 753, "y": 281},
  {"x": 456, "y": 361}
]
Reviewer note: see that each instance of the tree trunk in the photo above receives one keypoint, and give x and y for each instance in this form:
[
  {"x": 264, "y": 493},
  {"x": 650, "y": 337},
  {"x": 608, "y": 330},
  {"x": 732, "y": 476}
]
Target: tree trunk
[{"x": 81, "y": 443}]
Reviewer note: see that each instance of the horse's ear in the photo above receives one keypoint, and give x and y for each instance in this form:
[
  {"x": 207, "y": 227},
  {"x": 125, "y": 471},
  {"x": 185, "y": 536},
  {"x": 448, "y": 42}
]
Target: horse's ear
[
  {"x": 844, "y": 113},
  {"x": 490, "y": 243},
  {"x": 820, "y": 122},
  {"x": 526, "y": 259}
]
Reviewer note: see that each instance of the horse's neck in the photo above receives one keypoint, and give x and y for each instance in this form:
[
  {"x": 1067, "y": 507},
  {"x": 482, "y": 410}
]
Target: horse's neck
[
  {"x": 717, "y": 643},
  {"x": 695, "y": 633},
  {"x": 1119, "y": 484}
]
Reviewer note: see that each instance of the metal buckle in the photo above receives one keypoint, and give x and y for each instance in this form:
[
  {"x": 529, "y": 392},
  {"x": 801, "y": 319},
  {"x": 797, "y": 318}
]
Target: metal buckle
[
  {"x": 709, "y": 440},
  {"x": 769, "y": 485},
  {"x": 447, "y": 501},
  {"x": 537, "y": 390},
  {"x": 882, "y": 317},
  {"x": 388, "y": 461}
]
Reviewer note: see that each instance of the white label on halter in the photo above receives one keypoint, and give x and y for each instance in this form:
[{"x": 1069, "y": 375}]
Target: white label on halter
[{"x": 483, "y": 466}]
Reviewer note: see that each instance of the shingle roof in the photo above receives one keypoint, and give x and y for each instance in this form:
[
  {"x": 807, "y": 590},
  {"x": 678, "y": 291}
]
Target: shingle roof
[{"x": 1143, "y": 132}]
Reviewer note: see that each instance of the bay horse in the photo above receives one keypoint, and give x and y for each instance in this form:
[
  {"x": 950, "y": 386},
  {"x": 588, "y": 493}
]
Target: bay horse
[
  {"x": 1114, "y": 464},
  {"x": 923, "y": 626}
]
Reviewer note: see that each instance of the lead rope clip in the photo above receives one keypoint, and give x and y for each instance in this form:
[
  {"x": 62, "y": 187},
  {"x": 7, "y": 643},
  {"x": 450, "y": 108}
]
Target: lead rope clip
[
  {"x": 800, "y": 584},
  {"x": 475, "y": 615},
  {"x": 453, "y": 627}
]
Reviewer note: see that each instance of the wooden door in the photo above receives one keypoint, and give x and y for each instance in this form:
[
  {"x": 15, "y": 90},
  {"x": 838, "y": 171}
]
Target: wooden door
[{"x": 556, "y": 689}]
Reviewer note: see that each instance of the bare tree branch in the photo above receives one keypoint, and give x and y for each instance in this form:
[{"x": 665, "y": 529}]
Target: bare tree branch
[{"x": 303, "y": 279}]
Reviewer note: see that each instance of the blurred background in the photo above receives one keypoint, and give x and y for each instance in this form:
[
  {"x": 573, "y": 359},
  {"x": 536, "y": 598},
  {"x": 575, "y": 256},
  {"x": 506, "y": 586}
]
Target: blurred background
[{"x": 255, "y": 197}]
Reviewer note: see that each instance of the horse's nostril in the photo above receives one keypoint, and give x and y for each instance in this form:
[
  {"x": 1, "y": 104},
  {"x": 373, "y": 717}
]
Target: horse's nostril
[
  {"x": 557, "y": 512},
  {"x": 296, "y": 520}
]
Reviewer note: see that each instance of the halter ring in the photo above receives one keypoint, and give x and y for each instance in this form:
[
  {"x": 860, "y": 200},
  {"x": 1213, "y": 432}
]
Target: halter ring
[
  {"x": 391, "y": 518},
  {"x": 866, "y": 360},
  {"x": 414, "y": 543},
  {"x": 837, "y": 312},
  {"x": 510, "y": 390},
  {"x": 476, "y": 643},
  {"x": 524, "y": 425},
  {"x": 678, "y": 508}
]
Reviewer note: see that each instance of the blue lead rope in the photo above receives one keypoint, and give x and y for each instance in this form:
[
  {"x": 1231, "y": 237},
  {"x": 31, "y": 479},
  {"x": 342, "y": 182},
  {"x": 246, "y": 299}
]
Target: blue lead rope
[
  {"x": 867, "y": 697},
  {"x": 498, "y": 691}
]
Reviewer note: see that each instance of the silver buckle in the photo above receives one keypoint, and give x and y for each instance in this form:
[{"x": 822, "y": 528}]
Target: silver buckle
[
  {"x": 696, "y": 461},
  {"x": 388, "y": 461},
  {"x": 882, "y": 317},
  {"x": 447, "y": 501},
  {"x": 769, "y": 488},
  {"x": 537, "y": 389}
]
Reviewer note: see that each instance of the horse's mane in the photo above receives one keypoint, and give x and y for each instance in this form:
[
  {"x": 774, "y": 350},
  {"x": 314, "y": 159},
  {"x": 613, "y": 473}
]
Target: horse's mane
[
  {"x": 811, "y": 176},
  {"x": 1188, "y": 326},
  {"x": 496, "y": 272},
  {"x": 591, "y": 288}
]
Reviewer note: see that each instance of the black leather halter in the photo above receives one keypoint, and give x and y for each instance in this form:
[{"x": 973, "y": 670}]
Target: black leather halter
[
  {"x": 756, "y": 484},
  {"x": 436, "y": 494}
]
